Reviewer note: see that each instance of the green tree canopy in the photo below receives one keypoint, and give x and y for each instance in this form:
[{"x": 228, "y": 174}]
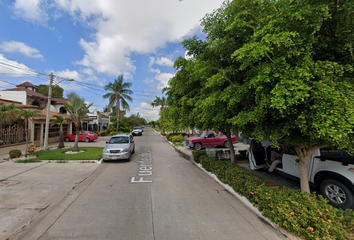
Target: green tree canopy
[
  {"x": 57, "y": 91},
  {"x": 274, "y": 69}
]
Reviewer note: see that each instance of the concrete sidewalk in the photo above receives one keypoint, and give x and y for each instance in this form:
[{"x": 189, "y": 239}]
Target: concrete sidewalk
[{"x": 29, "y": 189}]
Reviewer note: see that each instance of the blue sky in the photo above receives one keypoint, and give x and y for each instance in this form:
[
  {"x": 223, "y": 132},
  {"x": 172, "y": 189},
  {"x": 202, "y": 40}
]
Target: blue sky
[{"x": 93, "y": 41}]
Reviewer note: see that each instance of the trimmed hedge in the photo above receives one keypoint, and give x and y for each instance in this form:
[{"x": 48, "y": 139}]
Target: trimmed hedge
[
  {"x": 171, "y": 135},
  {"x": 15, "y": 153},
  {"x": 308, "y": 216},
  {"x": 178, "y": 138},
  {"x": 197, "y": 155}
]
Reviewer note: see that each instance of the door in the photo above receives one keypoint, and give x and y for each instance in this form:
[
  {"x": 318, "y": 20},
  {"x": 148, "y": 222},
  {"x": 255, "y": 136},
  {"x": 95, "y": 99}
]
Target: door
[
  {"x": 210, "y": 139},
  {"x": 257, "y": 155}
]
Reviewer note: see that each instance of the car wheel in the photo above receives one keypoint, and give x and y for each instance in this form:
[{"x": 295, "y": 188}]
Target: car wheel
[
  {"x": 141, "y": 134},
  {"x": 67, "y": 139},
  {"x": 130, "y": 158},
  {"x": 338, "y": 194},
  {"x": 133, "y": 150},
  {"x": 87, "y": 140},
  {"x": 198, "y": 146},
  {"x": 226, "y": 144}
]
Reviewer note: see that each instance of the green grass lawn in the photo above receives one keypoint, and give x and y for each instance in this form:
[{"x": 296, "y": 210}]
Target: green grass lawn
[
  {"x": 158, "y": 130},
  {"x": 92, "y": 153}
]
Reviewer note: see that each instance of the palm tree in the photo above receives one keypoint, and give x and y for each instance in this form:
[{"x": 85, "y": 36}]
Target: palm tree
[
  {"x": 26, "y": 115},
  {"x": 60, "y": 122},
  {"x": 159, "y": 102},
  {"x": 8, "y": 114},
  {"x": 119, "y": 95},
  {"x": 77, "y": 110}
]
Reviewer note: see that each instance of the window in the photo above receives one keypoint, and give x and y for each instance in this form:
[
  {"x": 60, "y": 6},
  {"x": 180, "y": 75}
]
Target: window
[{"x": 62, "y": 110}]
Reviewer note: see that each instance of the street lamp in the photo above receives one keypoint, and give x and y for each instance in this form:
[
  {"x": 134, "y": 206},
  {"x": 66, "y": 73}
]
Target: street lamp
[{"x": 45, "y": 147}]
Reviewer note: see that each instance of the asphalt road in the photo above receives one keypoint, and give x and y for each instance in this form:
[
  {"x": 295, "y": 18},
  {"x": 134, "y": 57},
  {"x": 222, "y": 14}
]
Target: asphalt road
[{"x": 121, "y": 200}]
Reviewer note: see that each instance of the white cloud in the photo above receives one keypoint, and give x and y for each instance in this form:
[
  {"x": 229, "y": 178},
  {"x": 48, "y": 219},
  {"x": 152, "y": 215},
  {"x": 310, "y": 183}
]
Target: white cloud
[
  {"x": 187, "y": 56},
  {"x": 13, "y": 68},
  {"x": 121, "y": 28},
  {"x": 87, "y": 71},
  {"x": 148, "y": 81},
  {"x": 163, "y": 79},
  {"x": 164, "y": 61},
  {"x": 30, "y": 10},
  {"x": 26, "y": 50},
  {"x": 147, "y": 111},
  {"x": 69, "y": 85}
]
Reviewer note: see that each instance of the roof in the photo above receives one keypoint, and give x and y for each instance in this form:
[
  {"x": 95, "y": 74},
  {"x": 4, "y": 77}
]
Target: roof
[
  {"x": 51, "y": 115},
  {"x": 18, "y": 104},
  {"x": 105, "y": 114},
  {"x": 60, "y": 100},
  {"x": 27, "y": 84}
]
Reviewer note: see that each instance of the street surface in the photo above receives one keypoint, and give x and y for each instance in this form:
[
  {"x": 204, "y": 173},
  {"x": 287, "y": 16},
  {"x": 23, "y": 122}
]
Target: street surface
[{"x": 158, "y": 195}]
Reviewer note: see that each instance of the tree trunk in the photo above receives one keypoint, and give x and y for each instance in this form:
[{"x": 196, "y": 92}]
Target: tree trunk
[
  {"x": 83, "y": 133},
  {"x": 76, "y": 144},
  {"x": 231, "y": 147},
  {"x": 26, "y": 135},
  {"x": 61, "y": 139},
  {"x": 304, "y": 157},
  {"x": 117, "y": 110},
  {"x": 304, "y": 181}
]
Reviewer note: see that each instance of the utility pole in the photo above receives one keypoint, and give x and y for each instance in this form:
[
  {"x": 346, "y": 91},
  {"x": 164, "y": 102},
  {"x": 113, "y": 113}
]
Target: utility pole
[{"x": 46, "y": 134}]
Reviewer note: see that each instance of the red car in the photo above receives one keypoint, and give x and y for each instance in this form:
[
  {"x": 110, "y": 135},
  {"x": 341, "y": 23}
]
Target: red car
[{"x": 90, "y": 136}]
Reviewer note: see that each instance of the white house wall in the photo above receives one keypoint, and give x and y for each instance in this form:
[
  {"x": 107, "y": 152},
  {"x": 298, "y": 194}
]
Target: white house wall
[{"x": 17, "y": 96}]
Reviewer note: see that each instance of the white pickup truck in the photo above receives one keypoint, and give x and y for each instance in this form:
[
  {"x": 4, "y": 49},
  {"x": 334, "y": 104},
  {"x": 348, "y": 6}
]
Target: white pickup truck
[{"x": 330, "y": 170}]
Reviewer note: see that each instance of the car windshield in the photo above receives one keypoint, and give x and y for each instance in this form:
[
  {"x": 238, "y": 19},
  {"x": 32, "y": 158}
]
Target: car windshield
[
  {"x": 202, "y": 134},
  {"x": 136, "y": 128},
  {"x": 91, "y": 132},
  {"x": 119, "y": 140}
]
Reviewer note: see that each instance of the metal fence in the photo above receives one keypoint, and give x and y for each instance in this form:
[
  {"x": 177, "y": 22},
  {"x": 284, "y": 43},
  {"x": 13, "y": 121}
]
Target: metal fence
[{"x": 12, "y": 134}]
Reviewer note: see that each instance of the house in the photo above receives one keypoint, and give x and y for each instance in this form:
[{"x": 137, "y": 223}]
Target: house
[
  {"x": 25, "y": 95},
  {"x": 98, "y": 122}
]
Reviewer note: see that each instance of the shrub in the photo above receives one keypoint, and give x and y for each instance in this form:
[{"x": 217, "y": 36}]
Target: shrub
[
  {"x": 178, "y": 138},
  {"x": 306, "y": 215},
  {"x": 15, "y": 153},
  {"x": 197, "y": 154},
  {"x": 102, "y": 133},
  {"x": 113, "y": 133},
  {"x": 171, "y": 135},
  {"x": 163, "y": 134},
  {"x": 31, "y": 149}
]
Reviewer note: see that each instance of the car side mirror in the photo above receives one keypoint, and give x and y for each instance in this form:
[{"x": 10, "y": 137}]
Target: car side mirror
[{"x": 106, "y": 142}]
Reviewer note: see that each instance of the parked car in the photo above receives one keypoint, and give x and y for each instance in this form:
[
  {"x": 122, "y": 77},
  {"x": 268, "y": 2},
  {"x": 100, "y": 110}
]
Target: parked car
[
  {"x": 208, "y": 139},
  {"x": 137, "y": 131},
  {"x": 90, "y": 136},
  {"x": 120, "y": 146},
  {"x": 330, "y": 170}
]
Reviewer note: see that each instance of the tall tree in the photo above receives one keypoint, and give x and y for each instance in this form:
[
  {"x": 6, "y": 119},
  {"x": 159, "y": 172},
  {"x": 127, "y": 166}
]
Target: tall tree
[
  {"x": 297, "y": 65},
  {"x": 119, "y": 95},
  {"x": 162, "y": 103},
  {"x": 77, "y": 110},
  {"x": 60, "y": 122},
  {"x": 57, "y": 91},
  {"x": 27, "y": 115}
]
